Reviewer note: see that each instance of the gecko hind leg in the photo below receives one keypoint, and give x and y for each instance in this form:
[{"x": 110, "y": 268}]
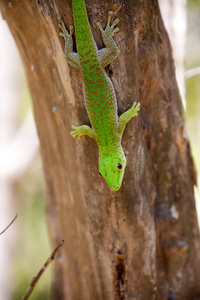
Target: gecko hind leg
[
  {"x": 108, "y": 54},
  {"x": 127, "y": 116},
  {"x": 79, "y": 131},
  {"x": 70, "y": 56}
]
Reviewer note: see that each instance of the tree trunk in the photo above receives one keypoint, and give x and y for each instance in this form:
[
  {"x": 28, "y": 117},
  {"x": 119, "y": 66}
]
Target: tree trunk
[{"x": 141, "y": 242}]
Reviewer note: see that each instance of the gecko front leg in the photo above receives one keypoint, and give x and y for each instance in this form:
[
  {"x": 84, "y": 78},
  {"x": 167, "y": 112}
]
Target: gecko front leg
[
  {"x": 82, "y": 130},
  {"x": 71, "y": 57},
  {"x": 108, "y": 54},
  {"x": 127, "y": 116}
]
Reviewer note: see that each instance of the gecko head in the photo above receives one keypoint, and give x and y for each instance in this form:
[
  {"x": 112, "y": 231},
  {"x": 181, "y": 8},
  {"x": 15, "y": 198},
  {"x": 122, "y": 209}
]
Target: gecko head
[{"x": 111, "y": 168}]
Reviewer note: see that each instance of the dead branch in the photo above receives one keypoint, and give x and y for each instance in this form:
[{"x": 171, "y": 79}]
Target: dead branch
[
  {"x": 13, "y": 220},
  {"x": 35, "y": 279}
]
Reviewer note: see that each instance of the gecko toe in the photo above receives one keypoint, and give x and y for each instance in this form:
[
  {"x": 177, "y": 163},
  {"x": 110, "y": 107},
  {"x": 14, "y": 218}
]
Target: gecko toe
[
  {"x": 99, "y": 25},
  {"x": 115, "y": 30},
  {"x": 71, "y": 29},
  {"x": 115, "y": 22}
]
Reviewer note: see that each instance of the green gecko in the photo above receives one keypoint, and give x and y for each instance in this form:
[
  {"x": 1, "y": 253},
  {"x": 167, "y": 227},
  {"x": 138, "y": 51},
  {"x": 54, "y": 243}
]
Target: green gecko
[{"x": 99, "y": 93}]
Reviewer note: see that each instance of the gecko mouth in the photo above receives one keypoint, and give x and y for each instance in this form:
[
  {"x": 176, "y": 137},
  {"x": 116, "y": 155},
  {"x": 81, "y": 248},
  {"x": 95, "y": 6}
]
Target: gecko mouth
[{"x": 114, "y": 188}]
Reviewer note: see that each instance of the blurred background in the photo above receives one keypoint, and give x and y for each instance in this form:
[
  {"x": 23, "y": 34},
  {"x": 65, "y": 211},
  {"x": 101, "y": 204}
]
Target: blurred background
[{"x": 25, "y": 246}]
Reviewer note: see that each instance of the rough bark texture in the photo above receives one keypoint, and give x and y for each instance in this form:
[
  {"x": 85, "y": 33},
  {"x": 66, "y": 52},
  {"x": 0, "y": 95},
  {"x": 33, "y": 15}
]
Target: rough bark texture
[{"x": 141, "y": 242}]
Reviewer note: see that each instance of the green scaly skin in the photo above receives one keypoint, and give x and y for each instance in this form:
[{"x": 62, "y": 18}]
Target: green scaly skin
[{"x": 99, "y": 93}]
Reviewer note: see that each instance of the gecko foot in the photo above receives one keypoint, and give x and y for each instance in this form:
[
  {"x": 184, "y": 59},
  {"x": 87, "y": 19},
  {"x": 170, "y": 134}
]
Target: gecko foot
[
  {"x": 77, "y": 132},
  {"x": 65, "y": 34},
  {"x": 135, "y": 108},
  {"x": 110, "y": 30}
]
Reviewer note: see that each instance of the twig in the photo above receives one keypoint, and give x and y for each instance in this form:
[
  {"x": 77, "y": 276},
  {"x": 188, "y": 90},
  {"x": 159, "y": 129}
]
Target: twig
[
  {"x": 9, "y": 224},
  {"x": 35, "y": 279},
  {"x": 192, "y": 72}
]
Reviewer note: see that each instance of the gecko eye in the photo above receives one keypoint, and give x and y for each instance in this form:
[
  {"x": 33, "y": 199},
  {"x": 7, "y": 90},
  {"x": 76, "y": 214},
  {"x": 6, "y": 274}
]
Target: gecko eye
[
  {"x": 100, "y": 174},
  {"x": 119, "y": 166}
]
